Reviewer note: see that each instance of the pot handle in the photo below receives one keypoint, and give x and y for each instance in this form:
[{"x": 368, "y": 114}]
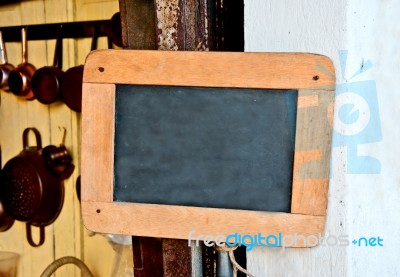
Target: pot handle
[
  {"x": 3, "y": 53},
  {"x": 29, "y": 235},
  {"x": 25, "y": 138},
  {"x": 58, "y": 53},
  {"x": 24, "y": 46}
]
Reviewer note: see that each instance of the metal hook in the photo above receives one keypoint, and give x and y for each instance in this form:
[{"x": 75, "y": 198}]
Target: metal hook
[{"x": 64, "y": 135}]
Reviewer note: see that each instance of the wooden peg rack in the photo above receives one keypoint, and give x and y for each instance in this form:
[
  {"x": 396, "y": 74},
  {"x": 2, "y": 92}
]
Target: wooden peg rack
[{"x": 82, "y": 29}]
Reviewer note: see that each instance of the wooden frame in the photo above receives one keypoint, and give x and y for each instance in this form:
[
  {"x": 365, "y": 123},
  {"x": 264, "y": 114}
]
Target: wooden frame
[{"x": 313, "y": 77}]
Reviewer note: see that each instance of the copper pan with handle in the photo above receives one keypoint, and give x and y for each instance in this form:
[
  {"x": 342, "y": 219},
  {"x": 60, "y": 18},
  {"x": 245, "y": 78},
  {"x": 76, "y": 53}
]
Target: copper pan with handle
[
  {"x": 71, "y": 87},
  {"x": 46, "y": 82},
  {"x": 20, "y": 79},
  {"x": 5, "y": 67}
]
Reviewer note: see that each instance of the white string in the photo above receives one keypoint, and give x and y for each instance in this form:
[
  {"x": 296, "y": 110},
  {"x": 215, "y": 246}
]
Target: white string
[{"x": 235, "y": 265}]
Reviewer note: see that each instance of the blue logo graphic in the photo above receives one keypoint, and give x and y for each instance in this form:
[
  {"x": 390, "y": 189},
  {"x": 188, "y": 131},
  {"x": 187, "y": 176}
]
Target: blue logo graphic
[
  {"x": 365, "y": 242},
  {"x": 357, "y": 119}
]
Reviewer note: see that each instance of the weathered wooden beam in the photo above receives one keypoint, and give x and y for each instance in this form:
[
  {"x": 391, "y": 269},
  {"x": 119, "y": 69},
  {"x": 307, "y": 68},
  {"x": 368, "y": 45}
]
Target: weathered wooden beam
[
  {"x": 179, "y": 25},
  {"x": 138, "y": 24},
  {"x": 183, "y": 25},
  {"x": 147, "y": 256}
]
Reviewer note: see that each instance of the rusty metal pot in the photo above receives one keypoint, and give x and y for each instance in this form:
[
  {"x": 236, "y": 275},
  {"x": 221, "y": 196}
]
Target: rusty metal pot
[
  {"x": 46, "y": 82},
  {"x": 5, "y": 67},
  {"x": 19, "y": 80},
  {"x": 31, "y": 193}
]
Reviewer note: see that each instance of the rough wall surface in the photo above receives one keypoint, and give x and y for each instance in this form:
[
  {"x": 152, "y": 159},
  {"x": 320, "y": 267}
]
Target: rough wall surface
[{"x": 359, "y": 36}]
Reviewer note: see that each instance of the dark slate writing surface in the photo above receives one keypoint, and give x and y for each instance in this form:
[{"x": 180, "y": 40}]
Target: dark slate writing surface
[{"x": 205, "y": 147}]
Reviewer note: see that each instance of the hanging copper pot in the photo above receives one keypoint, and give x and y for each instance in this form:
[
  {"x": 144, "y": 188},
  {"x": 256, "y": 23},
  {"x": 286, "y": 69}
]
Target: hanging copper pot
[
  {"x": 46, "y": 82},
  {"x": 5, "y": 67},
  {"x": 71, "y": 88},
  {"x": 19, "y": 80}
]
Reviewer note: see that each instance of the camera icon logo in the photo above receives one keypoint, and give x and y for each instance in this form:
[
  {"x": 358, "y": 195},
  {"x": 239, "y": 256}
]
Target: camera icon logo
[{"x": 357, "y": 121}]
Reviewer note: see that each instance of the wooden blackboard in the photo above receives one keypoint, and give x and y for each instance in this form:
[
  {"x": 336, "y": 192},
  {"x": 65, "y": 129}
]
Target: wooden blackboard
[
  {"x": 205, "y": 147},
  {"x": 216, "y": 142}
]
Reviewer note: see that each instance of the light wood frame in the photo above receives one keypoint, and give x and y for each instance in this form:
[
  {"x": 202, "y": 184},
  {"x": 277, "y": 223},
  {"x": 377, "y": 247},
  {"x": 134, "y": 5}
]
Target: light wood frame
[{"x": 313, "y": 77}]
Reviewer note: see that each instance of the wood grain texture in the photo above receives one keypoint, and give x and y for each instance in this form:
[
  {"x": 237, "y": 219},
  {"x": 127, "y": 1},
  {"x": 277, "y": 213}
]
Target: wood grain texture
[
  {"x": 312, "y": 152},
  {"x": 103, "y": 69},
  {"x": 98, "y": 142},
  {"x": 215, "y": 69},
  {"x": 96, "y": 250},
  {"x": 138, "y": 24},
  {"x": 177, "y": 221}
]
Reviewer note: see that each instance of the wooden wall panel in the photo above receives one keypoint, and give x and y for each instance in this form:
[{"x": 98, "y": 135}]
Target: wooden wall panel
[
  {"x": 24, "y": 114},
  {"x": 8, "y": 121},
  {"x": 66, "y": 236}
]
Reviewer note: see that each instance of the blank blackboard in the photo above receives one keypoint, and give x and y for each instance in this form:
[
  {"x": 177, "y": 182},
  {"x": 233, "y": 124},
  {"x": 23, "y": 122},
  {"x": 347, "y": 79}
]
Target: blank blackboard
[
  {"x": 181, "y": 141},
  {"x": 205, "y": 147}
]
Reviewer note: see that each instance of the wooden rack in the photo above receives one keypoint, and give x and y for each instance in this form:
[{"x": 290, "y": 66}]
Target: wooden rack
[{"x": 110, "y": 28}]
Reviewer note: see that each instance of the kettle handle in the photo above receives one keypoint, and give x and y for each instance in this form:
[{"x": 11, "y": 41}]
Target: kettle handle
[
  {"x": 29, "y": 235},
  {"x": 25, "y": 138}
]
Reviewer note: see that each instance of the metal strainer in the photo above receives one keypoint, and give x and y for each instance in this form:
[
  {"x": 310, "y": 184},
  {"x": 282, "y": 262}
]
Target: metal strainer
[
  {"x": 22, "y": 193},
  {"x": 30, "y": 192}
]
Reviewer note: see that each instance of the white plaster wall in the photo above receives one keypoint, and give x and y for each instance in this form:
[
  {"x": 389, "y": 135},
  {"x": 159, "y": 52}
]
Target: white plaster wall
[
  {"x": 373, "y": 32},
  {"x": 364, "y": 201}
]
